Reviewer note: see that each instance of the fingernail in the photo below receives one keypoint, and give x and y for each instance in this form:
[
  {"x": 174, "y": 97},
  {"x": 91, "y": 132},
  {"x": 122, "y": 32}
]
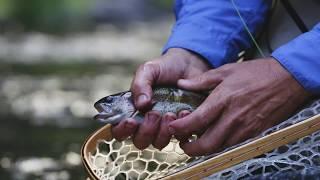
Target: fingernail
[
  {"x": 171, "y": 130},
  {"x": 184, "y": 114},
  {"x": 168, "y": 118},
  {"x": 153, "y": 117},
  {"x": 182, "y": 81},
  {"x": 142, "y": 99}
]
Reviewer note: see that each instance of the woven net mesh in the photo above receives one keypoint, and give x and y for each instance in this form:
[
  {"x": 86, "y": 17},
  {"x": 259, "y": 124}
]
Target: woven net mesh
[
  {"x": 121, "y": 160},
  {"x": 300, "y": 157}
]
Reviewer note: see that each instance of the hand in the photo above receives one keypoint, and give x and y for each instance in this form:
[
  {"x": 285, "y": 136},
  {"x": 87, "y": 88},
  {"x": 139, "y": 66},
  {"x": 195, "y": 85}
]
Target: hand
[
  {"x": 167, "y": 70},
  {"x": 247, "y": 98}
]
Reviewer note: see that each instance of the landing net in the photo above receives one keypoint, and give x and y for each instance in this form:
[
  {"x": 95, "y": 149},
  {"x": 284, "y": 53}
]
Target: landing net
[{"x": 121, "y": 160}]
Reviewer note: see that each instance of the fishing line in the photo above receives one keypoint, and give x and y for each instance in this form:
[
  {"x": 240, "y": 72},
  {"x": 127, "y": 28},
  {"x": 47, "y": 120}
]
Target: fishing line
[{"x": 247, "y": 28}]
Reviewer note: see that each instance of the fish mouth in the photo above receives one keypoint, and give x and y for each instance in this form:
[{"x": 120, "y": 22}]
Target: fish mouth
[
  {"x": 103, "y": 108},
  {"x": 112, "y": 118},
  {"x": 104, "y": 115}
]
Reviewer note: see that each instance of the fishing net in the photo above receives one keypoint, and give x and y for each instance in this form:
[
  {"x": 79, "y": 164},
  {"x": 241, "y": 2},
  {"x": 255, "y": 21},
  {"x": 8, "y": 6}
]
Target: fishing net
[
  {"x": 299, "y": 158},
  {"x": 121, "y": 160}
]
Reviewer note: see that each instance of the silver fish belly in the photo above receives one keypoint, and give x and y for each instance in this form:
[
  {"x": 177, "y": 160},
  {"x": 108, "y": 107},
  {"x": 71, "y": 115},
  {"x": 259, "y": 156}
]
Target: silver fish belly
[{"x": 114, "y": 108}]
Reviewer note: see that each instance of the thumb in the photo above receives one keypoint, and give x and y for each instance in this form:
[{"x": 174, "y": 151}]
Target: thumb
[
  {"x": 204, "y": 82},
  {"x": 141, "y": 86}
]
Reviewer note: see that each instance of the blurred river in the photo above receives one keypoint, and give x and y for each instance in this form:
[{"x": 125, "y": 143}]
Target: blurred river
[{"x": 48, "y": 85}]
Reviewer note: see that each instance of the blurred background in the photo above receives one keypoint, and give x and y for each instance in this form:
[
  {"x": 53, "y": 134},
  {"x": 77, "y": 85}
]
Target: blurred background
[{"x": 56, "y": 59}]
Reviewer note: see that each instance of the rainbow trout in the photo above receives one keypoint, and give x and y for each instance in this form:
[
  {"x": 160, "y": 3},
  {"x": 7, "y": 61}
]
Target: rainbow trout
[{"x": 114, "y": 108}]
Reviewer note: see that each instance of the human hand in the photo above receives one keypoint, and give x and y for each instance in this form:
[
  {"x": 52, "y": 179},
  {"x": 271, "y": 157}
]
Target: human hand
[
  {"x": 167, "y": 70},
  {"x": 247, "y": 98}
]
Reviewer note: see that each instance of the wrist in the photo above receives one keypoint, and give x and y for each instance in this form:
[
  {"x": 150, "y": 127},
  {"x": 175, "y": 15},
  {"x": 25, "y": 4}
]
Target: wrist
[
  {"x": 288, "y": 78},
  {"x": 186, "y": 56},
  {"x": 180, "y": 53}
]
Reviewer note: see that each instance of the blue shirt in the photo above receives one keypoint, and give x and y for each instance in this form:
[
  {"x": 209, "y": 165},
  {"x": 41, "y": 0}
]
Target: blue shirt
[{"x": 213, "y": 29}]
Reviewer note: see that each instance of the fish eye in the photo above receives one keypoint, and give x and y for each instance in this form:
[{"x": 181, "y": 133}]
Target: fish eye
[{"x": 109, "y": 99}]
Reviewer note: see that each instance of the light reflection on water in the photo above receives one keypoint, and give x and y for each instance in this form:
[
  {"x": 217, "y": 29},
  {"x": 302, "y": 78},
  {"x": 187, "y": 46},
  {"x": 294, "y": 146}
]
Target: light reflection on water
[
  {"x": 45, "y": 120},
  {"x": 58, "y": 100}
]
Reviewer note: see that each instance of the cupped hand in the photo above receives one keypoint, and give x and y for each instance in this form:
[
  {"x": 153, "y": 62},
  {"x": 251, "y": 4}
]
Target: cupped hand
[
  {"x": 166, "y": 70},
  {"x": 246, "y": 99}
]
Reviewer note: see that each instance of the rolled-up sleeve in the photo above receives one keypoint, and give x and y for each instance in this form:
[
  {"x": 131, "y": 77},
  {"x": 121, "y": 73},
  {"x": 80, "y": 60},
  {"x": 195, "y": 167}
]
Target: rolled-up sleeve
[
  {"x": 301, "y": 57},
  {"x": 213, "y": 29}
]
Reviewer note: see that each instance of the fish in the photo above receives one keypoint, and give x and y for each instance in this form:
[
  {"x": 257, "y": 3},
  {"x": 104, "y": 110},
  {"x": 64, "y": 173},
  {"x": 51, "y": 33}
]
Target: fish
[{"x": 114, "y": 108}]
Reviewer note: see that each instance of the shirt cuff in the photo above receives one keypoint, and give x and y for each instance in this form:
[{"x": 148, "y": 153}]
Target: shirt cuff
[
  {"x": 191, "y": 37},
  {"x": 301, "y": 57}
]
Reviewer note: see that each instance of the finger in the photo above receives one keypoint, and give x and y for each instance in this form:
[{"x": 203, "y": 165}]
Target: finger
[
  {"x": 163, "y": 137},
  {"x": 147, "y": 130},
  {"x": 204, "y": 82},
  {"x": 243, "y": 132},
  {"x": 141, "y": 86},
  {"x": 183, "y": 138},
  {"x": 201, "y": 118},
  {"x": 236, "y": 138},
  {"x": 210, "y": 142},
  {"x": 124, "y": 129}
]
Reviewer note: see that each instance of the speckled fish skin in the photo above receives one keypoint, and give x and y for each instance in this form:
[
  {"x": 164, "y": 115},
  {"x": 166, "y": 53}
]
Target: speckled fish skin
[{"x": 114, "y": 108}]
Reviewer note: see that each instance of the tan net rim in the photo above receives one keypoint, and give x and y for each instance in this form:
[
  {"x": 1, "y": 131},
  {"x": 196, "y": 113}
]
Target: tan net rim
[{"x": 90, "y": 145}]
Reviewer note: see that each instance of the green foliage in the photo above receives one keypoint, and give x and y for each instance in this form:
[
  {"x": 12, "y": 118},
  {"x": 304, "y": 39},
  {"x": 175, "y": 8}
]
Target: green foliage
[
  {"x": 33, "y": 13},
  {"x": 5, "y": 8},
  {"x": 55, "y": 15},
  {"x": 45, "y": 15},
  {"x": 165, "y": 4}
]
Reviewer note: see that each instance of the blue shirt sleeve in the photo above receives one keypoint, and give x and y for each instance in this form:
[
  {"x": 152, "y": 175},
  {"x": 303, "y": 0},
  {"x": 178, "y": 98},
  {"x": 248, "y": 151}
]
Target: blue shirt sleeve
[
  {"x": 213, "y": 29},
  {"x": 301, "y": 57}
]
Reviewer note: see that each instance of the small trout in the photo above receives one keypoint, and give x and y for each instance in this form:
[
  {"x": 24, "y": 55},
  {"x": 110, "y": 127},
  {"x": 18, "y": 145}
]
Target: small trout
[{"x": 114, "y": 108}]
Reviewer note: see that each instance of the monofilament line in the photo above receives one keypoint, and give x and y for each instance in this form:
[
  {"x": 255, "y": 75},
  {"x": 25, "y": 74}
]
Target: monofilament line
[{"x": 247, "y": 29}]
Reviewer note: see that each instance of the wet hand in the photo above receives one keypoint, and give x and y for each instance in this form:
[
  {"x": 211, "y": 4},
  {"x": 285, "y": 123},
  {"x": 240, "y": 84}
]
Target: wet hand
[
  {"x": 167, "y": 70},
  {"x": 246, "y": 99}
]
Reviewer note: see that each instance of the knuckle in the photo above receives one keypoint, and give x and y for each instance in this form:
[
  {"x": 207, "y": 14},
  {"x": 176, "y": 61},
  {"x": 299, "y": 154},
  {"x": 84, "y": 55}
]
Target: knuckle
[
  {"x": 202, "y": 79},
  {"x": 150, "y": 65},
  {"x": 226, "y": 69},
  {"x": 226, "y": 66},
  {"x": 201, "y": 116},
  {"x": 141, "y": 67}
]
